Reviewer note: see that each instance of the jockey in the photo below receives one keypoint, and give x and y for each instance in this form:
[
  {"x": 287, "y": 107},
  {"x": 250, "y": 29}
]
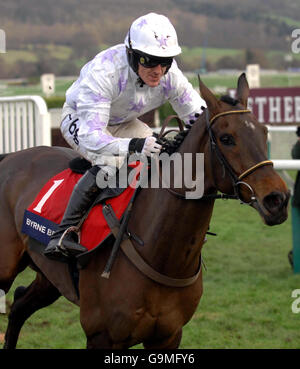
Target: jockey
[{"x": 100, "y": 115}]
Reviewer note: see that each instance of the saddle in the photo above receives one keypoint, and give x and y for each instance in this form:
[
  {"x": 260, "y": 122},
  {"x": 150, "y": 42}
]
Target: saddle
[{"x": 43, "y": 216}]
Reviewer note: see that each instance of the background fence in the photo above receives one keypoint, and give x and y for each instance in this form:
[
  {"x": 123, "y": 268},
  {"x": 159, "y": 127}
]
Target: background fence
[{"x": 24, "y": 122}]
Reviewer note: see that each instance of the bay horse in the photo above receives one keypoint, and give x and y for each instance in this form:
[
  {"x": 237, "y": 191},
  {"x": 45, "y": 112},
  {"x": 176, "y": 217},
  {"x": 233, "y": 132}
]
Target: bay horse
[{"x": 130, "y": 307}]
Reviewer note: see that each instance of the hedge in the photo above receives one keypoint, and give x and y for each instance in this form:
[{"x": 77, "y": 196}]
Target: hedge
[{"x": 55, "y": 102}]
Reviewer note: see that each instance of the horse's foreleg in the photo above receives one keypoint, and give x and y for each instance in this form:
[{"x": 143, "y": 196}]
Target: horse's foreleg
[
  {"x": 39, "y": 294},
  {"x": 170, "y": 343},
  {"x": 102, "y": 340},
  {"x": 99, "y": 341}
]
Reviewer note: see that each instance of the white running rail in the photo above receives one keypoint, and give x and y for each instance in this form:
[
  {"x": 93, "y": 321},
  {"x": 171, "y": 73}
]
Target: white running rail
[
  {"x": 24, "y": 122},
  {"x": 286, "y": 164}
]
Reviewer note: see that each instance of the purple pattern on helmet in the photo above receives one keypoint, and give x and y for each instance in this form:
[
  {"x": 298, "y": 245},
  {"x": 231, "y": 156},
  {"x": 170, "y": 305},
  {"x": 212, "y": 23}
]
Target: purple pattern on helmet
[
  {"x": 162, "y": 41},
  {"x": 109, "y": 55},
  {"x": 122, "y": 82},
  {"x": 185, "y": 97},
  {"x": 137, "y": 107},
  {"x": 142, "y": 23}
]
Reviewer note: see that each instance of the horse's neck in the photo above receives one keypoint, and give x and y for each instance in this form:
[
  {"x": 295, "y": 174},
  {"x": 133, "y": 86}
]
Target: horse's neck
[
  {"x": 173, "y": 229},
  {"x": 196, "y": 142}
]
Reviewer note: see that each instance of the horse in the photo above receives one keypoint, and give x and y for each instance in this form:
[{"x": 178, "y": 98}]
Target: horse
[{"x": 131, "y": 306}]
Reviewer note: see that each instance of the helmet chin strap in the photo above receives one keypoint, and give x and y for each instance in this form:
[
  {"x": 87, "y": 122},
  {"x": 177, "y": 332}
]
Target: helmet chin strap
[{"x": 140, "y": 81}]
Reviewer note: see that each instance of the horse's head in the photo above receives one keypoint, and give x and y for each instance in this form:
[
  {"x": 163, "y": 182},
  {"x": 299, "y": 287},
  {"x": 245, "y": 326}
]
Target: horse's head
[{"x": 238, "y": 155}]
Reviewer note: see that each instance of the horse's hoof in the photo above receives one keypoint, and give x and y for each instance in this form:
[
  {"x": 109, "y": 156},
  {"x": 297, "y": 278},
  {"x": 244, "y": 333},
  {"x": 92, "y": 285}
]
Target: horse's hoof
[{"x": 19, "y": 292}]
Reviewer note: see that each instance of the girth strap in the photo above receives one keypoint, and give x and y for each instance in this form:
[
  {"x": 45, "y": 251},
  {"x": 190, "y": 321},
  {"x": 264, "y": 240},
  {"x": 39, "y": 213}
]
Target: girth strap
[
  {"x": 136, "y": 259},
  {"x": 148, "y": 271}
]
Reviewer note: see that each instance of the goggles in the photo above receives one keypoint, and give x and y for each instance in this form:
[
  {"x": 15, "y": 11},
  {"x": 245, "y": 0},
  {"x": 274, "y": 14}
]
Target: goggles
[{"x": 151, "y": 61}]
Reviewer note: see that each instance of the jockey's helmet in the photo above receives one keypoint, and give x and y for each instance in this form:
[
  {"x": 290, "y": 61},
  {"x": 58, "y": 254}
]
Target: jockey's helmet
[{"x": 151, "y": 40}]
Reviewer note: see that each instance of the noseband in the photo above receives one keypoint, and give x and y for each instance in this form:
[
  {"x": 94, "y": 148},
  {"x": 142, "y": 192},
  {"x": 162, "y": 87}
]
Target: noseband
[{"x": 236, "y": 179}]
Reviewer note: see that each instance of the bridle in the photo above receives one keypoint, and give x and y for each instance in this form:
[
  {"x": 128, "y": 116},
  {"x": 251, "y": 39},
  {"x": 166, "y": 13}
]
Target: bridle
[{"x": 236, "y": 179}]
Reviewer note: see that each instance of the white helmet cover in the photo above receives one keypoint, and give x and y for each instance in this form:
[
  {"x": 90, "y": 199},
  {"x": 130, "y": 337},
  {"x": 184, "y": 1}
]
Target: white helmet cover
[{"x": 153, "y": 34}]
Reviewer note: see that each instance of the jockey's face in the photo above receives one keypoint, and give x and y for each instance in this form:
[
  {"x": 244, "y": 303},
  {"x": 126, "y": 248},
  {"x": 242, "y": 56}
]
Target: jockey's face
[{"x": 151, "y": 76}]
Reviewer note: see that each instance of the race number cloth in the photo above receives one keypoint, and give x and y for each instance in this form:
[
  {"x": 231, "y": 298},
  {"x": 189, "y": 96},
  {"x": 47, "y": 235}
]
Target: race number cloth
[{"x": 44, "y": 215}]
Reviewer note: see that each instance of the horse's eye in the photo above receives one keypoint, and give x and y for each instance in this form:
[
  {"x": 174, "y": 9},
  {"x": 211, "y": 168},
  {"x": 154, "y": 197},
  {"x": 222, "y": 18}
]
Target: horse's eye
[{"x": 227, "y": 140}]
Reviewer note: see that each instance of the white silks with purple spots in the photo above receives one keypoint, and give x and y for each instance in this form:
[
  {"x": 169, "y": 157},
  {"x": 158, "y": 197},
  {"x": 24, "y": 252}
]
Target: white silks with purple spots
[{"x": 108, "y": 93}]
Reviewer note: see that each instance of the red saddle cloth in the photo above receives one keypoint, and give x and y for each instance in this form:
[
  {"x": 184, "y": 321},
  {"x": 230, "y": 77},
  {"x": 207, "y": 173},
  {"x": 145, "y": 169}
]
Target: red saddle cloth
[{"x": 42, "y": 217}]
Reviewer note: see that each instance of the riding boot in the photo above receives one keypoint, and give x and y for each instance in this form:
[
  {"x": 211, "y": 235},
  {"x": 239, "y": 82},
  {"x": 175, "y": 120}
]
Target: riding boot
[{"x": 64, "y": 242}]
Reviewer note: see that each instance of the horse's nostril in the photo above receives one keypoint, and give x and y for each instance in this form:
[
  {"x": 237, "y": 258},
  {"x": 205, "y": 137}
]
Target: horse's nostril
[{"x": 274, "y": 201}]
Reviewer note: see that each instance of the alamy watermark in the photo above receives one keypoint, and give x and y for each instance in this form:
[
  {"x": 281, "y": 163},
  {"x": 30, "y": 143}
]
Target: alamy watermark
[
  {"x": 2, "y": 41},
  {"x": 296, "y": 43},
  {"x": 2, "y": 302},
  {"x": 182, "y": 173}
]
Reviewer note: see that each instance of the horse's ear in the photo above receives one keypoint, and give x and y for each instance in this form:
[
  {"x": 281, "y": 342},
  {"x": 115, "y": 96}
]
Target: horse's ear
[
  {"x": 242, "y": 92},
  {"x": 210, "y": 99}
]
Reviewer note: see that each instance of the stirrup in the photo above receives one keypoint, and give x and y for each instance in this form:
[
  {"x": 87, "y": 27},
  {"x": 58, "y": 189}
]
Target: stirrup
[
  {"x": 70, "y": 248},
  {"x": 68, "y": 230}
]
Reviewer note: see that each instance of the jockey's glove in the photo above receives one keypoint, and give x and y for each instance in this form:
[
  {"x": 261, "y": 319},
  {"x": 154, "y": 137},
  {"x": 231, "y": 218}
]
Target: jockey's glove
[{"x": 146, "y": 146}]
